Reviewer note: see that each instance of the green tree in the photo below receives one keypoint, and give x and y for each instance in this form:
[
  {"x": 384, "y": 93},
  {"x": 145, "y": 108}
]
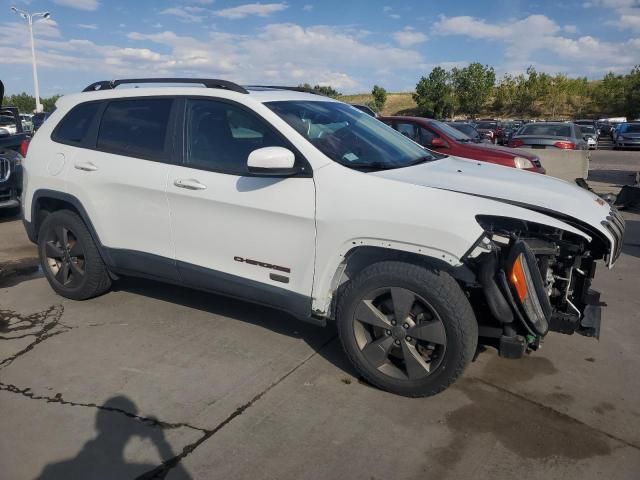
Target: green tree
[
  {"x": 27, "y": 104},
  {"x": 504, "y": 95},
  {"x": 49, "y": 104},
  {"x": 609, "y": 94},
  {"x": 632, "y": 94},
  {"x": 325, "y": 90},
  {"x": 23, "y": 101},
  {"x": 379, "y": 97},
  {"x": 530, "y": 88},
  {"x": 434, "y": 94},
  {"x": 473, "y": 86},
  {"x": 556, "y": 94}
]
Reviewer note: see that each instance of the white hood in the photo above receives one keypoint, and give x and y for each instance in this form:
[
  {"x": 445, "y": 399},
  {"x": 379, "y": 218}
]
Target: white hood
[{"x": 506, "y": 184}]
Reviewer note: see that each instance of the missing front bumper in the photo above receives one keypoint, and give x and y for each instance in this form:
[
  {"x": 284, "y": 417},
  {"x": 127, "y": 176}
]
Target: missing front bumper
[{"x": 588, "y": 325}]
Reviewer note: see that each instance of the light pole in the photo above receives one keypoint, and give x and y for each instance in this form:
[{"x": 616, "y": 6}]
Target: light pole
[{"x": 29, "y": 18}]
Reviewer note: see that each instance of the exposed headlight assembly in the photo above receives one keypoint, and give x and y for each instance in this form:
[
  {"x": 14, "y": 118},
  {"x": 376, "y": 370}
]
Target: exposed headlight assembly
[{"x": 527, "y": 287}]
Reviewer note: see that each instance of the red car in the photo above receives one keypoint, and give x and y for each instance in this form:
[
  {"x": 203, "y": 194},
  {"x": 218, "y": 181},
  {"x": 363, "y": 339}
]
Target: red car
[{"x": 443, "y": 138}]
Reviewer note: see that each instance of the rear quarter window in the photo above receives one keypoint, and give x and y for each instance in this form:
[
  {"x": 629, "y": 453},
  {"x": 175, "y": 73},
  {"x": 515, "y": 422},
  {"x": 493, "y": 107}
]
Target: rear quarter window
[{"x": 73, "y": 128}]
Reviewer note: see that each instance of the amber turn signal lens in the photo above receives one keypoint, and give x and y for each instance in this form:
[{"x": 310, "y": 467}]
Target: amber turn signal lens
[{"x": 518, "y": 279}]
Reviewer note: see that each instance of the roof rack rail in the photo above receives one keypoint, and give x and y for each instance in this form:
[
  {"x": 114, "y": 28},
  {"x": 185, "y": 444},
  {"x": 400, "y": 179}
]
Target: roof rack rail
[
  {"x": 282, "y": 87},
  {"x": 207, "y": 82}
]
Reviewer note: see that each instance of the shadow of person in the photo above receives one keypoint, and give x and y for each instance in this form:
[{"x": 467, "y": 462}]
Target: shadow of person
[{"x": 103, "y": 456}]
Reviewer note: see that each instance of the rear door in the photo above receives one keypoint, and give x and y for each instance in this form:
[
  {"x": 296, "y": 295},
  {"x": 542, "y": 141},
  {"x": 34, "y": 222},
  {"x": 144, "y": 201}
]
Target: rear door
[
  {"x": 243, "y": 235},
  {"x": 120, "y": 174}
]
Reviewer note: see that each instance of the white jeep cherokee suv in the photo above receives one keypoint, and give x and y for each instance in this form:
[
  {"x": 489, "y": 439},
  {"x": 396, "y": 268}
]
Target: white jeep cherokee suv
[{"x": 306, "y": 204}]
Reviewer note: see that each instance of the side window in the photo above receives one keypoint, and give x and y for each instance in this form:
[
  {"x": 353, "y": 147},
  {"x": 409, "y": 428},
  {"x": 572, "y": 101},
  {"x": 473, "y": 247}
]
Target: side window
[
  {"x": 220, "y": 136},
  {"x": 408, "y": 130},
  {"x": 74, "y": 126},
  {"x": 136, "y": 127},
  {"x": 426, "y": 136}
]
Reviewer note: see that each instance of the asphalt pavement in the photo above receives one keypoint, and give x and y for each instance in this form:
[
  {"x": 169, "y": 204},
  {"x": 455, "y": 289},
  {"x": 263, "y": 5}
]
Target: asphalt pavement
[{"x": 158, "y": 381}]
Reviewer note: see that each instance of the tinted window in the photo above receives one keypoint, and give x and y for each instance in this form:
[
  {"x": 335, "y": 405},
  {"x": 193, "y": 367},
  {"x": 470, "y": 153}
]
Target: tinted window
[
  {"x": 426, "y": 137},
  {"x": 220, "y": 136},
  {"x": 409, "y": 130},
  {"x": 546, "y": 129},
  {"x": 75, "y": 125},
  {"x": 135, "y": 127}
]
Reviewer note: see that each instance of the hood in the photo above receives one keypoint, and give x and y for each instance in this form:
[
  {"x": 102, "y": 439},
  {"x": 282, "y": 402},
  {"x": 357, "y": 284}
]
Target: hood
[{"x": 505, "y": 184}]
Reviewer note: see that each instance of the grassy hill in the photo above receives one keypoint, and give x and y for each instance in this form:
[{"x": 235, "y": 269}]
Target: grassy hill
[{"x": 397, "y": 103}]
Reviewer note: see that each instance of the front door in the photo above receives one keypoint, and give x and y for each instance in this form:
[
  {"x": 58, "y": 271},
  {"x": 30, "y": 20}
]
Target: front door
[{"x": 247, "y": 236}]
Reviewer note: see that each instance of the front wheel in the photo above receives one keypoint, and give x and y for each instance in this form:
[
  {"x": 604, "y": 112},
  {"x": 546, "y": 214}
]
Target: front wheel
[
  {"x": 69, "y": 257},
  {"x": 407, "y": 329}
]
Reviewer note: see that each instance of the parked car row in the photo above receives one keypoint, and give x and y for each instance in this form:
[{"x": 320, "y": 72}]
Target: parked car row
[
  {"x": 627, "y": 135},
  {"x": 13, "y": 147},
  {"x": 444, "y": 138}
]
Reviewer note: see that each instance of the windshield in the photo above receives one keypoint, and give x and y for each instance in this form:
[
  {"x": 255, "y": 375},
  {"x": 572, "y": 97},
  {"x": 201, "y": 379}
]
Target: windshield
[
  {"x": 350, "y": 137},
  {"x": 450, "y": 131},
  {"x": 487, "y": 125},
  {"x": 632, "y": 128},
  {"x": 6, "y": 120},
  {"x": 587, "y": 129},
  {"x": 465, "y": 128},
  {"x": 546, "y": 130}
]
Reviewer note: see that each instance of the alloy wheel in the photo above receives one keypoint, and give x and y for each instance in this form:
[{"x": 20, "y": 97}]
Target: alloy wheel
[
  {"x": 65, "y": 256},
  {"x": 399, "y": 333}
]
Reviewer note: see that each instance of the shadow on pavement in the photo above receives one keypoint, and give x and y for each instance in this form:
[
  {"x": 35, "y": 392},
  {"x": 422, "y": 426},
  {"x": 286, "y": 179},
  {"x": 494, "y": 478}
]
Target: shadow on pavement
[
  {"x": 632, "y": 238},
  {"x": 265, "y": 317},
  {"x": 9, "y": 214},
  {"x": 103, "y": 456},
  {"x": 617, "y": 177}
]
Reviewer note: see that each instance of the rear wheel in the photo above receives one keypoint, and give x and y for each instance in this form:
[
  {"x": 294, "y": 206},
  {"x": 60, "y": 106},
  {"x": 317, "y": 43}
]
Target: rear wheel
[
  {"x": 407, "y": 329},
  {"x": 69, "y": 257}
]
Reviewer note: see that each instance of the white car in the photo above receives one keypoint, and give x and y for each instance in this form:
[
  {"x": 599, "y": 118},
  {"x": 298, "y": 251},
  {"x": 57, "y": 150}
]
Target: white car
[{"x": 306, "y": 204}]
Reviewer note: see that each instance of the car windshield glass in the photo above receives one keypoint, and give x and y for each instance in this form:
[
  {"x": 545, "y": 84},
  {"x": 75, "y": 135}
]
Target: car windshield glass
[
  {"x": 350, "y": 137},
  {"x": 632, "y": 128},
  {"x": 546, "y": 130},
  {"x": 6, "y": 120},
  {"x": 487, "y": 125},
  {"x": 465, "y": 128},
  {"x": 450, "y": 131},
  {"x": 587, "y": 129}
]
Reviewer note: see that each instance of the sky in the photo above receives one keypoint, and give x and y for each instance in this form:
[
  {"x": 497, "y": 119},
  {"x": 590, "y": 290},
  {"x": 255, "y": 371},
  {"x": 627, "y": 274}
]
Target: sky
[{"x": 348, "y": 44}]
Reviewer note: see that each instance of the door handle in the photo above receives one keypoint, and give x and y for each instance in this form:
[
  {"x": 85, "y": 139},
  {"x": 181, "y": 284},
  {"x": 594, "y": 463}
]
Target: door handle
[
  {"x": 86, "y": 166},
  {"x": 189, "y": 184}
]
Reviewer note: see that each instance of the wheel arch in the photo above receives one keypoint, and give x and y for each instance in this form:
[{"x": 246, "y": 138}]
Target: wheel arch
[
  {"x": 360, "y": 256},
  {"x": 46, "y": 202}
]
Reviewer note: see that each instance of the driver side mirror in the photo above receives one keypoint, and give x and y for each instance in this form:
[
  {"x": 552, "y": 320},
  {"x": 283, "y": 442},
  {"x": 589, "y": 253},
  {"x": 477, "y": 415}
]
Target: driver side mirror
[{"x": 272, "y": 161}]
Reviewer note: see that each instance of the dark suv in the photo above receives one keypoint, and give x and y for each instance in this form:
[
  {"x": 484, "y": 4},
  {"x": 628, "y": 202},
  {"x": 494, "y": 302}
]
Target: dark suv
[{"x": 13, "y": 146}]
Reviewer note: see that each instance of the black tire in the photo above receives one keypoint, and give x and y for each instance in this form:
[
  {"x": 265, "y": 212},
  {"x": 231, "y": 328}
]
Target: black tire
[
  {"x": 74, "y": 267},
  {"x": 438, "y": 299}
]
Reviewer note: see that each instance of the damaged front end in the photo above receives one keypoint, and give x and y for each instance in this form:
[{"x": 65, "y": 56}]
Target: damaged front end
[{"x": 532, "y": 279}]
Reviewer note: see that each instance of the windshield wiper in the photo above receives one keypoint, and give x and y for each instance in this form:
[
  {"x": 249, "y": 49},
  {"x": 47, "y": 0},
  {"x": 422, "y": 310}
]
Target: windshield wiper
[{"x": 370, "y": 166}]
